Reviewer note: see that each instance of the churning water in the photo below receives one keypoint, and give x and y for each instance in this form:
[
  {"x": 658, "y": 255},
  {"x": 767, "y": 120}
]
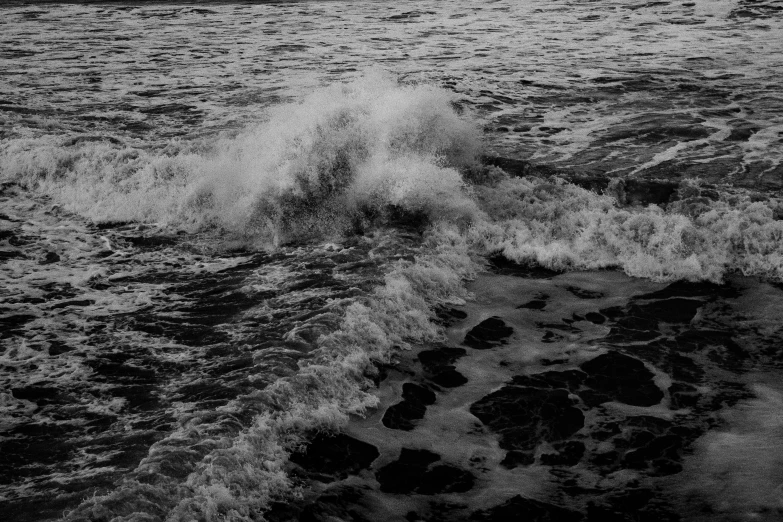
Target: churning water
[{"x": 411, "y": 261}]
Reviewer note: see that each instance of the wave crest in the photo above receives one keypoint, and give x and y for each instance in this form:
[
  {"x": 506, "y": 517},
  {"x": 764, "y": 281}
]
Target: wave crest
[
  {"x": 352, "y": 156},
  {"x": 346, "y": 154},
  {"x": 564, "y": 227}
]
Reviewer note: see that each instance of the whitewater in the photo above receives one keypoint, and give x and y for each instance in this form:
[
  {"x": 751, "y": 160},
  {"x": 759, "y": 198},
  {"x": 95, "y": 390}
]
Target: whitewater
[{"x": 359, "y": 261}]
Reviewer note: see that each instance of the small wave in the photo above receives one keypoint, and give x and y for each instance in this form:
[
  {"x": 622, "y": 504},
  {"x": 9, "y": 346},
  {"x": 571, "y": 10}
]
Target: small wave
[
  {"x": 240, "y": 471},
  {"x": 564, "y": 227}
]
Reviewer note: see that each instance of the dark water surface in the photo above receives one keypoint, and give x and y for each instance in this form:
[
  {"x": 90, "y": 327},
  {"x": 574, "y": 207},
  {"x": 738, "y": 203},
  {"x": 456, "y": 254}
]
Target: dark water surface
[
  {"x": 659, "y": 88},
  {"x": 252, "y": 267}
]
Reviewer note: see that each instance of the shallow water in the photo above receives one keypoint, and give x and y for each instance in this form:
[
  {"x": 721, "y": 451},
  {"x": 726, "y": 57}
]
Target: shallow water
[
  {"x": 589, "y": 444},
  {"x": 229, "y": 231}
]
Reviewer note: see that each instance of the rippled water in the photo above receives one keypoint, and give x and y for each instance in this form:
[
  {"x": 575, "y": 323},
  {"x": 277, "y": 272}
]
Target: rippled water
[
  {"x": 663, "y": 88},
  {"x": 208, "y": 247}
]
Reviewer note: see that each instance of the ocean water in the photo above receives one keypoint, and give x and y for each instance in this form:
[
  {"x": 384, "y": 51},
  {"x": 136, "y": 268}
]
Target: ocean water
[{"x": 411, "y": 261}]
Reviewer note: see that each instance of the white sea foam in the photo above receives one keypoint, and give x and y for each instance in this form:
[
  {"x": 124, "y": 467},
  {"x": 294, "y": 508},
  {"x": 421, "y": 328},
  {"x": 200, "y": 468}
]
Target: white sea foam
[
  {"x": 344, "y": 152},
  {"x": 564, "y": 227},
  {"x": 330, "y": 386},
  {"x": 352, "y": 155},
  {"x": 244, "y": 472},
  {"x": 349, "y": 154}
]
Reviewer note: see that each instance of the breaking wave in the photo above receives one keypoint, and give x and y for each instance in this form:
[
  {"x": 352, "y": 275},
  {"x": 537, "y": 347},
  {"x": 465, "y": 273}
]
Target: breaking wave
[
  {"x": 240, "y": 471},
  {"x": 344, "y": 160},
  {"x": 352, "y": 156},
  {"x": 565, "y": 227},
  {"x": 344, "y": 155}
]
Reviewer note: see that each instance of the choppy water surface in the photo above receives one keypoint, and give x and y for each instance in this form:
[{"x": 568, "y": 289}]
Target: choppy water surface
[
  {"x": 670, "y": 88},
  {"x": 228, "y": 231}
]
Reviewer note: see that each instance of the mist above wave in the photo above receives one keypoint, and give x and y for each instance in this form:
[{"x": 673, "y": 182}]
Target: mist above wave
[{"x": 347, "y": 153}]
